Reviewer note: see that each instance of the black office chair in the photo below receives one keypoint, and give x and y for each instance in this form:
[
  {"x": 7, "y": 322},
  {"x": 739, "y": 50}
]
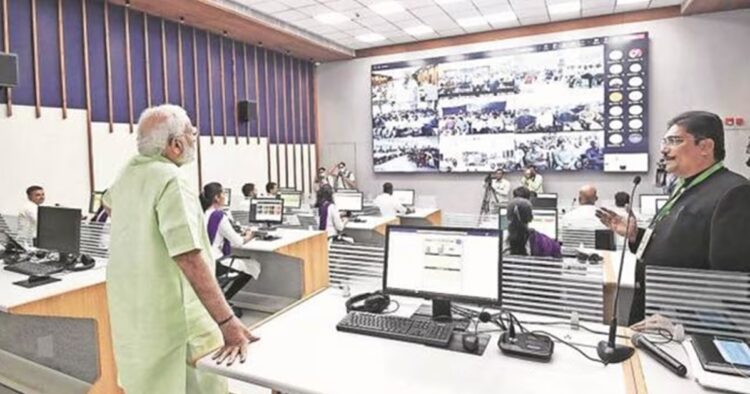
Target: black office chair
[{"x": 227, "y": 277}]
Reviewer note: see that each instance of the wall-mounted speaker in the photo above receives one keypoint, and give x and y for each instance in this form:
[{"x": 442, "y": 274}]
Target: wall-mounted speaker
[
  {"x": 8, "y": 70},
  {"x": 247, "y": 110}
]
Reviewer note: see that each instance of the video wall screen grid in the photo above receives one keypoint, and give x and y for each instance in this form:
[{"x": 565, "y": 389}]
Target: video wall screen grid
[{"x": 562, "y": 106}]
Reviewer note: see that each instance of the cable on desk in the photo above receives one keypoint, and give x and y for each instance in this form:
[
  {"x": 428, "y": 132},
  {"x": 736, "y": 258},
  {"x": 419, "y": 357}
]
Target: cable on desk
[{"x": 392, "y": 302}]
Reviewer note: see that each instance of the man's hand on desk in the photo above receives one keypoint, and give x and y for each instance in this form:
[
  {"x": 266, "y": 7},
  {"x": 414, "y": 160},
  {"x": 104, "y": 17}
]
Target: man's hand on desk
[{"x": 236, "y": 338}]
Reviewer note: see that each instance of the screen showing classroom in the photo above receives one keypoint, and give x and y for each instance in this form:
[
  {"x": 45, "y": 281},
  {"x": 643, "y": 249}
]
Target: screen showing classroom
[{"x": 561, "y": 106}]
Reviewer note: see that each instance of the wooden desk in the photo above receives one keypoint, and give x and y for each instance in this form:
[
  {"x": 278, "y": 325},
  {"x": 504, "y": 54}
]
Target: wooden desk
[
  {"x": 423, "y": 217},
  {"x": 372, "y": 230},
  {"x": 79, "y": 295}
]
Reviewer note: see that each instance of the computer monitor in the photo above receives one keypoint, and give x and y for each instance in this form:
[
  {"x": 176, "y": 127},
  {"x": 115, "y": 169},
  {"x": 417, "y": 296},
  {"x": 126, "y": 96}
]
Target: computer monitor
[
  {"x": 404, "y": 196},
  {"x": 544, "y": 200},
  {"x": 59, "y": 229},
  {"x": 348, "y": 201},
  {"x": 660, "y": 202},
  {"x": 228, "y": 196},
  {"x": 266, "y": 210},
  {"x": 95, "y": 202},
  {"x": 545, "y": 221},
  {"x": 648, "y": 203},
  {"x": 292, "y": 199},
  {"x": 443, "y": 264}
]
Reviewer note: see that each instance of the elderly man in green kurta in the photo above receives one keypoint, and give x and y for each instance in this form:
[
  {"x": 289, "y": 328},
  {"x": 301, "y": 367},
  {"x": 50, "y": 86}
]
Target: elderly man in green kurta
[{"x": 165, "y": 305}]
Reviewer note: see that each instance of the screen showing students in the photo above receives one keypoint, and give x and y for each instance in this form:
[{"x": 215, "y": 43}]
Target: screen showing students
[{"x": 267, "y": 210}]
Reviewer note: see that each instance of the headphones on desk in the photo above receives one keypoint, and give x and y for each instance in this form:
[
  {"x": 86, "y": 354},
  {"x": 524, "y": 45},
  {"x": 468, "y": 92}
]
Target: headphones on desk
[
  {"x": 82, "y": 263},
  {"x": 375, "y": 302}
]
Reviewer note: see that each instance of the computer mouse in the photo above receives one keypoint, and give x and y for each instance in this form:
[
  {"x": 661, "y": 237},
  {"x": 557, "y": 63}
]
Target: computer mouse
[{"x": 470, "y": 343}]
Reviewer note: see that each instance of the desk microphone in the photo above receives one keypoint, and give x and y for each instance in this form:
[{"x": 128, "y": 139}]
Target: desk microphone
[
  {"x": 641, "y": 342},
  {"x": 609, "y": 351}
]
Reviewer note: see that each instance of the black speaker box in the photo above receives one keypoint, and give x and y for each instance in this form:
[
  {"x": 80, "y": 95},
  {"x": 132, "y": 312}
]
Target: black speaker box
[
  {"x": 8, "y": 70},
  {"x": 247, "y": 110}
]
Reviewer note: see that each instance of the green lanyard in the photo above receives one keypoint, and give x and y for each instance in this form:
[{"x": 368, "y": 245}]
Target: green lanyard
[{"x": 682, "y": 188}]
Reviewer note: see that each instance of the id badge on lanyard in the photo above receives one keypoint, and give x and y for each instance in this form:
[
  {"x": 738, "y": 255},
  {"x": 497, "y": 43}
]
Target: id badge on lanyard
[{"x": 644, "y": 243}]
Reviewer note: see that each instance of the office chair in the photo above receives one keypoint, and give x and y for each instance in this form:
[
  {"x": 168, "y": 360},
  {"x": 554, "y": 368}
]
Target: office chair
[{"x": 226, "y": 277}]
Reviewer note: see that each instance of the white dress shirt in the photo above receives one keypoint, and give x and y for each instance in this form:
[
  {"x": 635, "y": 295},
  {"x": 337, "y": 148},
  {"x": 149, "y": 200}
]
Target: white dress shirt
[
  {"x": 27, "y": 218},
  {"x": 502, "y": 189},
  {"x": 582, "y": 217},
  {"x": 226, "y": 232},
  {"x": 334, "y": 223},
  {"x": 388, "y": 205}
]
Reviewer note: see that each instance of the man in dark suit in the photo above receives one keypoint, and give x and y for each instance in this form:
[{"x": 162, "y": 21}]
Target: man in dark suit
[{"x": 706, "y": 222}]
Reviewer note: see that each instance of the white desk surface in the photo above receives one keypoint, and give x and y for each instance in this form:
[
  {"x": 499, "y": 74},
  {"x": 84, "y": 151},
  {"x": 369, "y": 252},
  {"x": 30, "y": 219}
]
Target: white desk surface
[
  {"x": 371, "y": 222},
  {"x": 12, "y": 296},
  {"x": 420, "y": 213},
  {"x": 628, "y": 273},
  {"x": 301, "y": 351},
  {"x": 288, "y": 237},
  {"x": 661, "y": 380}
]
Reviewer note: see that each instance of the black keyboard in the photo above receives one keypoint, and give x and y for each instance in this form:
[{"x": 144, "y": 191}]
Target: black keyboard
[
  {"x": 35, "y": 269},
  {"x": 399, "y": 328}
]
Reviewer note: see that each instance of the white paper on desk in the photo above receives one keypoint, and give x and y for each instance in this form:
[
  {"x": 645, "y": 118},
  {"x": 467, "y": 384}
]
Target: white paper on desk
[{"x": 713, "y": 380}]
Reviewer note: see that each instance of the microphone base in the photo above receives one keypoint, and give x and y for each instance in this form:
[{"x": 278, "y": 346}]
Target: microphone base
[{"x": 613, "y": 355}]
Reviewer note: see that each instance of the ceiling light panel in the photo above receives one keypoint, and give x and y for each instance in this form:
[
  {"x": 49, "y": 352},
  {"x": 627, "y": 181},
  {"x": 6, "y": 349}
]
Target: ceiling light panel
[
  {"x": 419, "y": 30},
  {"x": 567, "y": 7},
  {"x": 371, "y": 37},
  {"x": 331, "y": 18},
  {"x": 387, "y": 7}
]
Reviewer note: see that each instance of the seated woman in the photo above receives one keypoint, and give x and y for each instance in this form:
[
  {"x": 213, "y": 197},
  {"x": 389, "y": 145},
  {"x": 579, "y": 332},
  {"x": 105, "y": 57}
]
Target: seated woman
[
  {"x": 223, "y": 237},
  {"x": 525, "y": 241},
  {"x": 329, "y": 217}
]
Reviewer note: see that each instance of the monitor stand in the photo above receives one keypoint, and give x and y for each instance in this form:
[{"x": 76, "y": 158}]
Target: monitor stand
[
  {"x": 440, "y": 311},
  {"x": 268, "y": 227}
]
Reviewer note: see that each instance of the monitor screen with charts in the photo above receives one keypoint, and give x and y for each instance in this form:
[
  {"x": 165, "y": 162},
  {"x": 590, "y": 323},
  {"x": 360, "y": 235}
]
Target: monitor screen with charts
[
  {"x": 404, "y": 196},
  {"x": 292, "y": 199},
  {"x": 457, "y": 264},
  {"x": 648, "y": 203},
  {"x": 348, "y": 201},
  {"x": 266, "y": 210},
  {"x": 59, "y": 229}
]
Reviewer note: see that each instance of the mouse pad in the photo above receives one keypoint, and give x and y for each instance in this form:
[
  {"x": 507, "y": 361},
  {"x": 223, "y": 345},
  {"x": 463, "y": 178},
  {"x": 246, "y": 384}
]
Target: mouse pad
[{"x": 456, "y": 343}]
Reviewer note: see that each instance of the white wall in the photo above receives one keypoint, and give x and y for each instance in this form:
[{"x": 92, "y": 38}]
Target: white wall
[{"x": 697, "y": 62}]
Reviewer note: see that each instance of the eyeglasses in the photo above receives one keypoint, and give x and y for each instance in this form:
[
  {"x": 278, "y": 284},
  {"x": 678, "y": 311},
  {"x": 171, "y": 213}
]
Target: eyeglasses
[{"x": 675, "y": 140}]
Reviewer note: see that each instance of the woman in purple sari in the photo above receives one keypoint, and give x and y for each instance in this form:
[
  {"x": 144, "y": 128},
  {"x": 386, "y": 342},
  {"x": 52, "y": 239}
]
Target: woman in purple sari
[{"x": 523, "y": 240}]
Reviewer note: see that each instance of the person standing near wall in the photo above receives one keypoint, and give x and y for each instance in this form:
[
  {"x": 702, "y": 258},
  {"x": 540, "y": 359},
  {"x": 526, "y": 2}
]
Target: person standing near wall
[{"x": 532, "y": 181}]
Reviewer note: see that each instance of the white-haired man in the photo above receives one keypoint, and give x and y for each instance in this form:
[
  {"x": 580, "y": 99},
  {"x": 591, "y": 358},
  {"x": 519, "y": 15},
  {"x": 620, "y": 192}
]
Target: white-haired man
[{"x": 165, "y": 306}]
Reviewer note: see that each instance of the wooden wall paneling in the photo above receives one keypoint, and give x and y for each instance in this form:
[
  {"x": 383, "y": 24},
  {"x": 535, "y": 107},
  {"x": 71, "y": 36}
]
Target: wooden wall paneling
[
  {"x": 268, "y": 115},
  {"x": 165, "y": 77},
  {"x": 294, "y": 129},
  {"x": 6, "y": 49},
  {"x": 180, "y": 71},
  {"x": 87, "y": 84},
  {"x": 223, "y": 91},
  {"x": 129, "y": 71},
  {"x": 35, "y": 52},
  {"x": 108, "y": 63},
  {"x": 210, "y": 86},
  {"x": 147, "y": 57},
  {"x": 61, "y": 46},
  {"x": 286, "y": 124},
  {"x": 234, "y": 92},
  {"x": 276, "y": 115},
  {"x": 247, "y": 89},
  {"x": 257, "y": 93}
]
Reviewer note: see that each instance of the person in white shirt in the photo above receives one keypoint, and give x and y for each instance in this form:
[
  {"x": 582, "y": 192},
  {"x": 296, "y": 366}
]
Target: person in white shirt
[
  {"x": 500, "y": 186},
  {"x": 584, "y": 216},
  {"x": 532, "y": 181},
  {"x": 329, "y": 217},
  {"x": 27, "y": 216},
  {"x": 248, "y": 190},
  {"x": 387, "y": 204},
  {"x": 343, "y": 178},
  {"x": 223, "y": 237}
]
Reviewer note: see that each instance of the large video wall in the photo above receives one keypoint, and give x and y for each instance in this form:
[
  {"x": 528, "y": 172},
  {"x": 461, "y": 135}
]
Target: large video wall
[{"x": 563, "y": 106}]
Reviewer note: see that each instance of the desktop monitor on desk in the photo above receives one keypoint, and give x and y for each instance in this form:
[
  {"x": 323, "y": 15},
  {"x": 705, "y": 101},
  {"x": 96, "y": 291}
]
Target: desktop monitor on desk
[
  {"x": 292, "y": 199},
  {"x": 59, "y": 229},
  {"x": 404, "y": 196},
  {"x": 544, "y": 201},
  {"x": 266, "y": 210},
  {"x": 648, "y": 203},
  {"x": 544, "y": 221},
  {"x": 348, "y": 201},
  {"x": 443, "y": 264}
]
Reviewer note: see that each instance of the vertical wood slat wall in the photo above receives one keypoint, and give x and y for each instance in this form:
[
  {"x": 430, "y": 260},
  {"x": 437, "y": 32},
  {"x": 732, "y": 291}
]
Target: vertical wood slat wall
[{"x": 286, "y": 120}]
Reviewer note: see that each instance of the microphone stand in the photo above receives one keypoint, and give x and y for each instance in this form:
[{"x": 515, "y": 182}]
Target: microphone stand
[{"x": 609, "y": 351}]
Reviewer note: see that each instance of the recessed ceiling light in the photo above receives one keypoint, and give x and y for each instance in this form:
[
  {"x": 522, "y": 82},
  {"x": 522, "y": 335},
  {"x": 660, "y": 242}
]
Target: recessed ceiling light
[
  {"x": 331, "y": 18},
  {"x": 387, "y": 7},
  {"x": 419, "y": 30},
  {"x": 471, "y": 22},
  {"x": 565, "y": 8},
  {"x": 370, "y": 37},
  {"x": 501, "y": 17},
  {"x": 443, "y": 2}
]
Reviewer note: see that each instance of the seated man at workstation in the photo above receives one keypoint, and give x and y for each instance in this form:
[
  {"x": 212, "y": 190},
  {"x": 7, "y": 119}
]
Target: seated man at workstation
[
  {"x": 387, "y": 204},
  {"x": 584, "y": 215},
  {"x": 27, "y": 216},
  {"x": 706, "y": 222},
  {"x": 272, "y": 189},
  {"x": 248, "y": 190},
  {"x": 622, "y": 203},
  {"x": 166, "y": 308}
]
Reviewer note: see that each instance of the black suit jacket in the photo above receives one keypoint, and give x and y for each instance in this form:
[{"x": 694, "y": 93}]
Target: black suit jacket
[{"x": 707, "y": 228}]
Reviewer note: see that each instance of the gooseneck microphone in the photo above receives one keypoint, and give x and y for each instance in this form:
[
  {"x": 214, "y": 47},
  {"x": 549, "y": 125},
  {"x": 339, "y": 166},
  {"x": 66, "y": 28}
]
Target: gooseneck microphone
[
  {"x": 641, "y": 342},
  {"x": 610, "y": 352}
]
